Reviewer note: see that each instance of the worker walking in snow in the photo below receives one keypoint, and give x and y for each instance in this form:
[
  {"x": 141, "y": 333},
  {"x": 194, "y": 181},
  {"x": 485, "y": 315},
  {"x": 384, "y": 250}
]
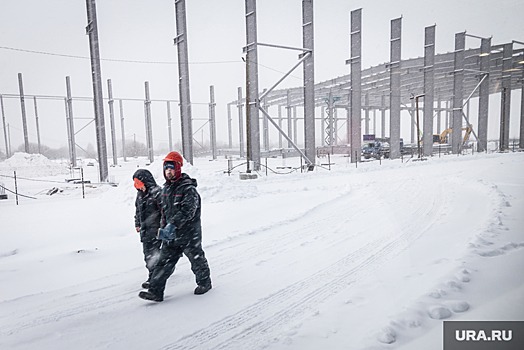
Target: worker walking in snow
[
  {"x": 148, "y": 213},
  {"x": 182, "y": 232}
]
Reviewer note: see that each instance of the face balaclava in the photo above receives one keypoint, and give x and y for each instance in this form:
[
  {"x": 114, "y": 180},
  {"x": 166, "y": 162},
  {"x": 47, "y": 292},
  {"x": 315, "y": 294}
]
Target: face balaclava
[
  {"x": 174, "y": 165},
  {"x": 138, "y": 184}
]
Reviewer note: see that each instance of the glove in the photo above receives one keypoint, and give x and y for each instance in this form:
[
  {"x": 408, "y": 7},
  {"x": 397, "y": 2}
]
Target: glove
[{"x": 167, "y": 233}]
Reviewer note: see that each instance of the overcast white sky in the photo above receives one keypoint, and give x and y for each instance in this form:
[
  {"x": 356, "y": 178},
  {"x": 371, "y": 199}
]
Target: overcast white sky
[{"x": 140, "y": 30}]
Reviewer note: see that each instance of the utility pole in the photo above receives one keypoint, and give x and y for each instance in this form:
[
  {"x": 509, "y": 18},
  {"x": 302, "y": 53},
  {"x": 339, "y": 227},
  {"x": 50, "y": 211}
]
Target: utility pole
[
  {"x": 22, "y": 106},
  {"x": 7, "y": 153},
  {"x": 37, "y": 125}
]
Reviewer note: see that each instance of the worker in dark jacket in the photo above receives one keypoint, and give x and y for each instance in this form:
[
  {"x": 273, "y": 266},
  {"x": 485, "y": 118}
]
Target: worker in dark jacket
[
  {"x": 148, "y": 214},
  {"x": 182, "y": 232}
]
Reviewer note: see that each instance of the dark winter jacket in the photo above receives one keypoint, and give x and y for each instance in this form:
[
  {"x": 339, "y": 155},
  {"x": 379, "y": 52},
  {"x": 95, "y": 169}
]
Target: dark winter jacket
[
  {"x": 148, "y": 206},
  {"x": 181, "y": 207}
]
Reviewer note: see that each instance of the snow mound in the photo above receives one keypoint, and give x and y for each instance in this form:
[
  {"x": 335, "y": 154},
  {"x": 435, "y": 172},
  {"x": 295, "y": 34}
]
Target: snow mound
[{"x": 32, "y": 165}]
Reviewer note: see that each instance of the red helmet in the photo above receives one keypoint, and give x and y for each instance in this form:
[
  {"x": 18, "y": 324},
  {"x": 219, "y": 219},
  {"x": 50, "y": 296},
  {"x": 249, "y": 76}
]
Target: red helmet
[{"x": 174, "y": 157}]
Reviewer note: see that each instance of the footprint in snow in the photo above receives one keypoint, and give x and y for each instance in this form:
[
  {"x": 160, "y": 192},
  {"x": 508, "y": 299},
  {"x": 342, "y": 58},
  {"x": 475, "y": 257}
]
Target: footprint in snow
[
  {"x": 439, "y": 312},
  {"x": 387, "y": 335},
  {"x": 454, "y": 285},
  {"x": 437, "y": 294},
  {"x": 9, "y": 253},
  {"x": 463, "y": 276},
  {"x": 500, "y": 251},
  {"x": 458, "y": 305}
]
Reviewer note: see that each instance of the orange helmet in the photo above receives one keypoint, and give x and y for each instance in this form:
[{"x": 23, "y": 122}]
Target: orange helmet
[{"x": 174, "y": 157}]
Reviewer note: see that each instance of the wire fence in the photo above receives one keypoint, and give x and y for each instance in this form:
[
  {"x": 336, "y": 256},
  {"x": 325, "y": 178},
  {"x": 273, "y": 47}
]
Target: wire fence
[{"x": 74, "y": 184}]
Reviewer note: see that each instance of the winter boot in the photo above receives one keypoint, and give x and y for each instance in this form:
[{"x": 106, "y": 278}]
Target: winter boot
[
  {"x": 145, "y": 285},
  {"x": 150, "y": 296},
  {"x": 202, "y": 289}
]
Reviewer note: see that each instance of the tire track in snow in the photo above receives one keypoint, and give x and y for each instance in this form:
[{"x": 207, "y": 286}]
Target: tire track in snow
[
  {"x": 288, "y": 303},
  {"x": 34, "y": 317},
  {"x": 98, "y": 297},
  {"x": 243, "y": 329}
]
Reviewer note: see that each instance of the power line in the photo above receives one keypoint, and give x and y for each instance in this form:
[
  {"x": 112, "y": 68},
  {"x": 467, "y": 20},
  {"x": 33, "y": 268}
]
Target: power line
[
  {"x": 110, "y": 59},
  {"x": 129, "y": 61},
  {"x": 18, "y": 194}
]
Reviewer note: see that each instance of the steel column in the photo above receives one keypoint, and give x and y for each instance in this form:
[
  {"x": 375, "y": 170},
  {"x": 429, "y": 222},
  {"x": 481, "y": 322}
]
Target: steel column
[
  {"x": 183, "y": 78},
  {"x": 240, "y": 122},
  {"x": 449, "y": 113},
  {"x": 323, "y": 125},
  {"x": 122, "y": 129},
  {"x": 335, "y": 125},
  {"x": 485, "y": 49},
  {"x": 429, "y": 89},
  {"x": 348, "y": 120},
  {"x": 439, "y": 117},
  {"x": 458, "y": 93},
  {"x": 98, "y": 103},
  {"x": 356, "y": 92},
  {"x": 329, "y": 122},
  {"x": 394, "y": 99},
  {"x": 252, "y": 110},
  {"x": 505, "y": 104},
  {"x": 265, "y": 126},
  {"x": 112, "y": 121},
  {"x": 280, "y": 126},
  {"x": 521, "y": 134},
  {"x": 309, "y": 81},
  {"x": 366, "y": 114},
  {"x": 70, "y": 123},
  {"x": 374, "y": 121},
  {"x": 149, "y": 129},
  {"x": 9, "y": 139},
  {"x": 289, "y": 122},
  {"x": 383, "y": 116},
  {"x": 413, "y": 122},
  {"x": 169, "y": 123},
  {"x": 295, "y": 124},
  {"x": 229, "y": 127},
  {"x": 212, "y": 125}
]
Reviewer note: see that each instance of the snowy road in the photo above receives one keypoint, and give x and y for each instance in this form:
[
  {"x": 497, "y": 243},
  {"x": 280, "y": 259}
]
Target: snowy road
[{"x": 294, "y": 264}]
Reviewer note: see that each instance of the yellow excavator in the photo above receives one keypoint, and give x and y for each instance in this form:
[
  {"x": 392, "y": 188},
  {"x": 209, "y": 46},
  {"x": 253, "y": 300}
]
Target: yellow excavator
[{"x": 443, "y": 137}]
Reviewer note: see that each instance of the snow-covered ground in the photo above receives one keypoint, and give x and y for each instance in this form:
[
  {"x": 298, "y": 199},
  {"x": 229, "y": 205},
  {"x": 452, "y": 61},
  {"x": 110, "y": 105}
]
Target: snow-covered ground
[{"x": 369, "y": 257}]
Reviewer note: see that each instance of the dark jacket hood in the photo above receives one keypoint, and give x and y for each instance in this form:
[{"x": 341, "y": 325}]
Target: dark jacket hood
[{"x": 146, "y": 177}]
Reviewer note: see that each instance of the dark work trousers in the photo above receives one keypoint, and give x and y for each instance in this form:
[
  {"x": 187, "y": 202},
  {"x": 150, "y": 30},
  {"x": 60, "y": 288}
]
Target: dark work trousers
[
  {"x": 169, "y": 256},
  {"x": 151, "y": 249}
]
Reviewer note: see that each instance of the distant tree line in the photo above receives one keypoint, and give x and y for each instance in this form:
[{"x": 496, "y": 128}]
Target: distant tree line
[{"x": 133, "y": 149}]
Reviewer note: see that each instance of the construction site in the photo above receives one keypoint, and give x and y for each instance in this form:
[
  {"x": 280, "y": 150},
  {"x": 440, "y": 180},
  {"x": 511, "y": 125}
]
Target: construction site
[{"x": 430, "y": 96}]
